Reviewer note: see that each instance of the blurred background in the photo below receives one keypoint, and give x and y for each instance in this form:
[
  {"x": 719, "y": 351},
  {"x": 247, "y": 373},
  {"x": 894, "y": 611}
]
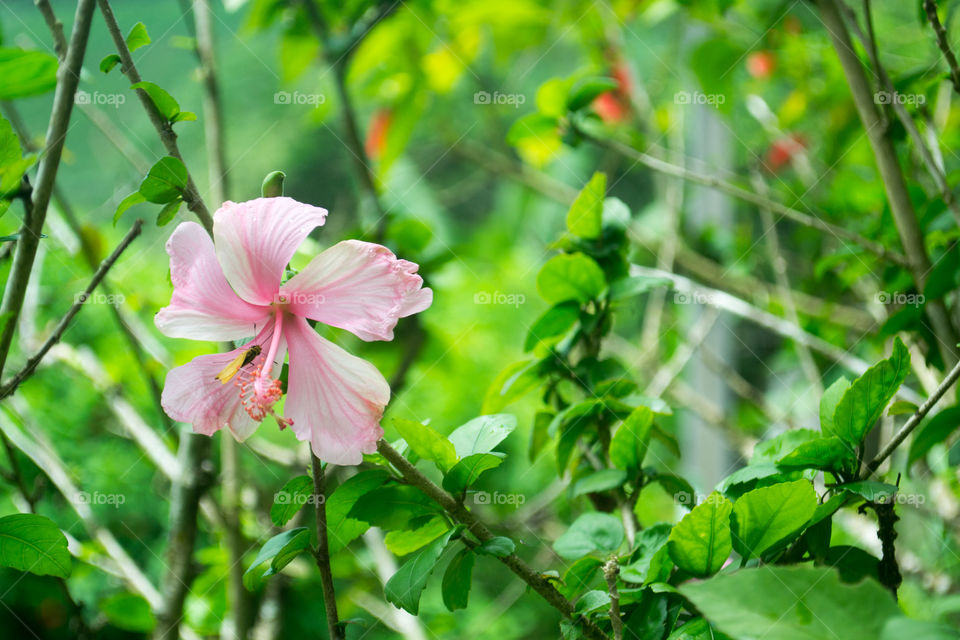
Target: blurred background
[{"x": 454, "y": 107}]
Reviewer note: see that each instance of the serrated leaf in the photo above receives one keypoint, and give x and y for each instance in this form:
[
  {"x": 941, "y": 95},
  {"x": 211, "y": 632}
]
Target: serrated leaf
[
  {"x": 570, "y": 276},
  {"x": 463, "y": 474},
  {"x": 295, "y": 493},
  {"x": 457, "y": 580},
  {"x": 585, "y": 217},
  {"x": 766, "y": 516},
  {"x": 33, "y": 543},
  {"x": 863, "y": 403},
  {"x": 427, "y": 443},
  {"x": 700, "y": 543},
  {"x": 406, "y": 586}
]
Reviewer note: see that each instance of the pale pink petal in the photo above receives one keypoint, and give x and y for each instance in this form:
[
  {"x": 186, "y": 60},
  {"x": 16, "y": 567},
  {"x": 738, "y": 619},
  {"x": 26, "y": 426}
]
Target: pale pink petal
[
  {"x": 335, "y": 399},
  {"x": 358, "y": 286},
  {"x": 256, "y": 239},
  {"x": 193, "y": 394},
  {"x": 203, "y": 306}
]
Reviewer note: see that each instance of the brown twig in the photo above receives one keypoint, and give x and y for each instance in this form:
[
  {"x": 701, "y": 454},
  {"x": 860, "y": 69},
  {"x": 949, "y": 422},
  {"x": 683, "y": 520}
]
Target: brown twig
[
  {"x": 322, "y": 553},
  {"x": 930, "y": 6}
]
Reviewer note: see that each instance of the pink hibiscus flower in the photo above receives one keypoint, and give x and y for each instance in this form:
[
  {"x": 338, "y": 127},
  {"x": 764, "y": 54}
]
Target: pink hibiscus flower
[{"x": 233, "y": 286}]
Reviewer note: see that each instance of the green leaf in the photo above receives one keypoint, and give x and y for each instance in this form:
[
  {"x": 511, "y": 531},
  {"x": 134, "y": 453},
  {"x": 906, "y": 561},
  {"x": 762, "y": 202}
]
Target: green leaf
[
  {"x": 586, "y": 90},
  {"x": 401, "y": 543},
  {"x": 295, "y": 493},
  {"x": 137, "y": 37},
  {"x": 590, "y": 532},
  {"x": 585, "y": 217},
  {"x": 763, "y": 517},
  {"x": 13, "y": 164},
  {"x": 406, "y": 586},
  {"x": 163, "y": 101},
  {"x": 902, "y": 408},
  {"x": 628, "y": 447},
  {"x": 393, "y": 507},
  {"x": 555, "y": 322},
  {"x": 341, "y": 528},
  {"x": 498, "y": 546},
  {"x": 898, "y": 628},
  {"x": 427, "y": 443},
  {"x": 935, "y": 431},
  {"x": 635, "y": 285},
  {"x": 695, "y": 629},
  {"x": 775, "y": 448},
  {"x": 463, "y": 474},
  {"x": 863, "y": 403},
  {"x": 164, "y": 183},
  {"x": 651, "y": 561},
  {"x": 184, "y": 116},
  {"x": 602, "y": 480},
  {"x": 109, "y": 62},
  {"x": 700, "y": 543},
  {"x": 482, "y": 434},
  {"x": 129, "y": 612},
  {"x": 134, "y": 198},
  {"x": 510, "y": 384},
  {"x": 169, "y": 212},
  {"x": 33, "y": 543},
  {"x": 871, "y": 490},
  {"x": 457, "y": 579},
  {"x": 280, "y": 550},
  {"x": 26, "y": 73},
  {"x": 570, "y": 276},
  {"x": 828, "y": 454},
  {"x": 792, "y": 603},
  {"x": 591, "y": 601},
  {"x": 828, "y": 404}
]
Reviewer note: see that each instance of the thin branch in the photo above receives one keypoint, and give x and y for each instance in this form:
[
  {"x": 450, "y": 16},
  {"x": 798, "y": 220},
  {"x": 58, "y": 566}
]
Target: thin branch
[
  {"x": 913, "y": 421},
  {"x": 813, "y": 221},
  {"x": 610, "y": 572},
  {"x": 55, "y": 26},
  {"x": 191, "y": 196},
  {"x": 68, "y": 78},
  {"x": 461, "y": 514},
  {"x": 930, "y": 6},
  {"x": 322, "y": 553},
  {"x": 11, "y": 385},
  {"x": 904, "y": 216}
]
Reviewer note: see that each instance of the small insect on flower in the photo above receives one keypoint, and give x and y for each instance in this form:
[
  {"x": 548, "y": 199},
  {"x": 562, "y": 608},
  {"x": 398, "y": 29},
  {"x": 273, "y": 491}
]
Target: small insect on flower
[{"x": 242, "y": 360}]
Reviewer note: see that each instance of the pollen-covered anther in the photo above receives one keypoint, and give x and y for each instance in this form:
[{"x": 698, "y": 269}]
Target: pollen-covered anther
[{"x": 258, "y": 393}]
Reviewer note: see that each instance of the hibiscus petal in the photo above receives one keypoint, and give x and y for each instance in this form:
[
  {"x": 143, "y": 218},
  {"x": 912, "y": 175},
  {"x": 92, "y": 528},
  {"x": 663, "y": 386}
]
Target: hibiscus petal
[
  {"x": 203, "y": 306},
  {"x": 358, "y": 286},
  {"x": 193, "y": 394},
  {"x": 256, "y": 239},
  {"x": 335, "y": 399}
]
